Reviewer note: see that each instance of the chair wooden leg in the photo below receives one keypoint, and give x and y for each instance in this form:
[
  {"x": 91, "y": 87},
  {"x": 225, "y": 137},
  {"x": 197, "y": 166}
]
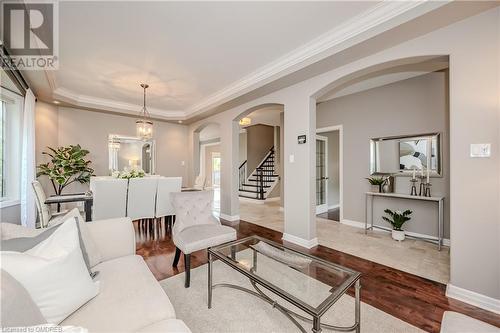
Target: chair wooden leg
[
  {"x": 176, "y": 257},
  {"x": 187, "y": 265}
]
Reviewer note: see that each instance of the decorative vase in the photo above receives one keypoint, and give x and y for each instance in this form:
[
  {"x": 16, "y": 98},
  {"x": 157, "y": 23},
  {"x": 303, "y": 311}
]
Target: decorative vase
[
  {"x": 377, "y": 188},
  {"x": 398, "y": 235}
]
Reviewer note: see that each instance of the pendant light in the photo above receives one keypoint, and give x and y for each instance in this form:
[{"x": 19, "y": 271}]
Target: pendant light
[{"x": 144, "y": 125}]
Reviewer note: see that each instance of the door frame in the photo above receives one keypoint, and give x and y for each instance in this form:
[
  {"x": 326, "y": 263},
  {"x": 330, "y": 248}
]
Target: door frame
[
  {"x": 324, "y": 207},
  {"x": 340, "y": 129}
]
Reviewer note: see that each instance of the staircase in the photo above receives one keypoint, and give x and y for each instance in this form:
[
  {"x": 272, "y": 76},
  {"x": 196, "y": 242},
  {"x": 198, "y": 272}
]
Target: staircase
[{"x": 261, "y": 181}]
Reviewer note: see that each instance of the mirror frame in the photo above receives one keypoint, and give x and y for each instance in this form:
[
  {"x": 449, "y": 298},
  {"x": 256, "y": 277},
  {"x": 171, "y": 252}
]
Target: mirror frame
[
  {"x": 407, "y": 173},
  {"x": 116, "y": 138}
]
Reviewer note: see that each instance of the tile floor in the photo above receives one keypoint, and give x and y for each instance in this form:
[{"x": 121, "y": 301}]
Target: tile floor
[{"x": 412, "y": 256}]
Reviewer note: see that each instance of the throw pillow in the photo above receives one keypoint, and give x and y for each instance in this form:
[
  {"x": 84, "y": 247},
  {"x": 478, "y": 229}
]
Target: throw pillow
[
  {"x": 53, "y": 273},
  {"x": 17, "y": 307}
]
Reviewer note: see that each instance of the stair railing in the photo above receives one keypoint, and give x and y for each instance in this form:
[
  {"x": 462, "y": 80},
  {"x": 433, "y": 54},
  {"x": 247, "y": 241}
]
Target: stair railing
[{"x": 242, "y": 172}]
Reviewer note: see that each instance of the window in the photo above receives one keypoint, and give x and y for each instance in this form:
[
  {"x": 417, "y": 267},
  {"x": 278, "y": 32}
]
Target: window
[{"x": 10, "y": 148}]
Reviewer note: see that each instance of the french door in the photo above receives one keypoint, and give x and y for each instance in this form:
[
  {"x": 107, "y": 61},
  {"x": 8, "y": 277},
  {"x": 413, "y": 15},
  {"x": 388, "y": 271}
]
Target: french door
[{"x": 321, "y": 174}]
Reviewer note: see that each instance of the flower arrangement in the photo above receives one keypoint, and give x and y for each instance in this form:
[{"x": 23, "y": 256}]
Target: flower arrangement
[{"x": 127, "y": 174}]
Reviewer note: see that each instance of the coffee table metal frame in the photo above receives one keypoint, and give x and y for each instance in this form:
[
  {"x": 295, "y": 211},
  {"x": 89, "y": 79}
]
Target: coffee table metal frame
[{"x": 315, "y": 312}]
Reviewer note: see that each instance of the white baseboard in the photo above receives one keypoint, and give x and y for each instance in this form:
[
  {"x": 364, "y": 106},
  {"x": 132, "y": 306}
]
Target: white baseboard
[
  {"x": 230, "y": 218},
  {"x": 308, "y": 244},
  {"x": 255, "y": 201},
  {"x": 334, "y": 206},
  {"x": 473, "y": 298},
  {"x": 446, "y": 241}
]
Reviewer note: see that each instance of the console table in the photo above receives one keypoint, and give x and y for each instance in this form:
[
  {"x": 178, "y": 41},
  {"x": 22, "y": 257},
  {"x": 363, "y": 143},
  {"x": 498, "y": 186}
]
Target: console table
[{"x": 438, "y": 200}]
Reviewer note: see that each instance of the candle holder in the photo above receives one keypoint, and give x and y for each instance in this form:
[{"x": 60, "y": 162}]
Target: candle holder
[
  {"x": 427, "y": 189},
  {"x": 413, "y": 186},
  {"x": 421, "y": 190}
]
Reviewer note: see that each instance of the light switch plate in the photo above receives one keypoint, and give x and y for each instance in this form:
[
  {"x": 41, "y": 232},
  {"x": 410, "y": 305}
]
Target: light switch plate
[
  {"x": 291, "y": 158},
  {"x": 480, "y": 150}
]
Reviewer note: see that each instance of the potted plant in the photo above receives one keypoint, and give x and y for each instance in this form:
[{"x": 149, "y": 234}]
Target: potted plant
[
  {"x": 67, "y": 165},
  {"x": 397, "y": 219},
  {"x": 377, "y": 183}
]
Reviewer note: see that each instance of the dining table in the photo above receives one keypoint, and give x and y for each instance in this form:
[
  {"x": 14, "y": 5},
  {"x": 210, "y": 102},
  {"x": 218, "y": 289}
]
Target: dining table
[{"x": 87, "y": 199}]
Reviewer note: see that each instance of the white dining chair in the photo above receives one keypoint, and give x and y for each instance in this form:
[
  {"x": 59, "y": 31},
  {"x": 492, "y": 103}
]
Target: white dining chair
[
  {"x": 45, "y": 214},
  {"x": 199, "y": 182},
  {"x": 141, "y": 200},
  {"x": 164, "y": 207},
  {"x": 110, "y": 197}
]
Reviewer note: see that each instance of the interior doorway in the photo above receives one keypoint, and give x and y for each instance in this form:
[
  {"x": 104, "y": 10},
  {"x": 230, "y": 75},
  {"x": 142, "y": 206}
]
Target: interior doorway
[
  {"x": 329, "y": 182},
  {"x": 216, "y": 169}
]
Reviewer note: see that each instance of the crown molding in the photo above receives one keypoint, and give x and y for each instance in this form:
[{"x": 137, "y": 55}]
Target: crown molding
[
  {"x": 375, "y": 20},
  {"x": 383, "y": 16},
  {"x": 85, "y": 101}
]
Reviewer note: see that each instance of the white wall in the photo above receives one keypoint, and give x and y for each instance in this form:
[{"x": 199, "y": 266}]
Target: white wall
[{"x": 472, "y": 45}]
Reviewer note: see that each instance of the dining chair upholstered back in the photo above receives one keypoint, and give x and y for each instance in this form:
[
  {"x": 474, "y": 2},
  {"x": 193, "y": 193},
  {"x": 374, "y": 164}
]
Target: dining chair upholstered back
[
  {"x": 44, "y": 213},
  {"x": 166, "y": 185},
  {"x": 110, "y": 197},
  {"x": 141, "y": 200},
  {"x": 192, "y": 208},
  {"x": 199, "y": 182}
]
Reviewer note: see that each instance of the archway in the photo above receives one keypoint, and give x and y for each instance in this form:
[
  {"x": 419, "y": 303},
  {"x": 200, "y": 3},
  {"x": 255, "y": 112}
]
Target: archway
[
  {"x": 258, "y": 134},
  {"x": 414, "y": 94}
]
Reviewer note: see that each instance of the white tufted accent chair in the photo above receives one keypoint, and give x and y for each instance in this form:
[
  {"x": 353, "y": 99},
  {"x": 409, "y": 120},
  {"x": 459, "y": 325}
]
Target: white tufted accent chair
[{"x": 195, "y": 226}]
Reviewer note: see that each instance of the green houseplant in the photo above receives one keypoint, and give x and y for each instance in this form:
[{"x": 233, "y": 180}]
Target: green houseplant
[
  {"x": 67, "y": 165},
  {"x": 377, "y": 181},
  {"x": 397, "y": 219}
]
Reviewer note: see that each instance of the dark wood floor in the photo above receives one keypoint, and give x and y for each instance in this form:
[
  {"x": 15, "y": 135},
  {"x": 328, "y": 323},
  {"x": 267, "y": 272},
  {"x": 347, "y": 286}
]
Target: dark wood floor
[
  {"x": 416, "y": 300},
  {"x": 332, "y": 214}
]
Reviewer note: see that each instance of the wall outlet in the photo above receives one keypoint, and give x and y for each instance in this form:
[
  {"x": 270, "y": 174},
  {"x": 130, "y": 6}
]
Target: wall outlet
[{"x": 480, "y": 150}]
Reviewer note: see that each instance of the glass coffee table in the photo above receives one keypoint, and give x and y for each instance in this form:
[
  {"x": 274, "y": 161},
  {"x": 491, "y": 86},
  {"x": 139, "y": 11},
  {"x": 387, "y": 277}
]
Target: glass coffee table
[{"x": 309, "y": 283}]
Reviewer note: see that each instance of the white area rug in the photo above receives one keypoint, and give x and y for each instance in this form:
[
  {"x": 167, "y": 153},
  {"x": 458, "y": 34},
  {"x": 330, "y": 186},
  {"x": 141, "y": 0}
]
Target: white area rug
[{"x": 236, "y": 311}]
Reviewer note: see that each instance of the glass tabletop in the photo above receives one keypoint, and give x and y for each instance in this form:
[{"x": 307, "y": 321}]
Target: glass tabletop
[{"x": 294, "y": 275}]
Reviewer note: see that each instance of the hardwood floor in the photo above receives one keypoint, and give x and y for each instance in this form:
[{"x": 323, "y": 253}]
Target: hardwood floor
[{"x": 416, "y": 300}]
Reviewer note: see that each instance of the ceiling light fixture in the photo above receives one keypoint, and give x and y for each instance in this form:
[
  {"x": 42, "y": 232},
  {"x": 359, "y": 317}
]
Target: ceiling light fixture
[
  {"x": 245, "y": 121},
  {"x": 144, "y": 125}
]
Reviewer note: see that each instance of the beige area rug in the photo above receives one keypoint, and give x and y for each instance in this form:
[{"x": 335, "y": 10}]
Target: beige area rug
[{"x": 236, "y": 311}]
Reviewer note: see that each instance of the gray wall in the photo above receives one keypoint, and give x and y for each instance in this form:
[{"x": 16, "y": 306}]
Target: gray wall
[
  {"x": 260, "y": 138},
  {"x": 91, "y": 129},
  {"x": 414, "y": 106},
  {"x": 243, "y": 148}
]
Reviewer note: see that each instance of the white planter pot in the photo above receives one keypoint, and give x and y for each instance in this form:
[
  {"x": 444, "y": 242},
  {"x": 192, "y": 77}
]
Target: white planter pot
[{"x": 398, "y": 235}]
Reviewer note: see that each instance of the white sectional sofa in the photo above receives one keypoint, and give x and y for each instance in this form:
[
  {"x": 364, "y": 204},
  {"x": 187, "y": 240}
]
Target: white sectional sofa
[{"x": 130, "y": 299}]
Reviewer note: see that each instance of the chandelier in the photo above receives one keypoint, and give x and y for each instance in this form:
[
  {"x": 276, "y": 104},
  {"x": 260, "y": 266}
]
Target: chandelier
[{"x": 144, "y": 125}]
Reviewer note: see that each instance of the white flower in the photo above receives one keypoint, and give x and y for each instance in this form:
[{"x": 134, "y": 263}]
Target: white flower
[{"x": 115, "y": 174}]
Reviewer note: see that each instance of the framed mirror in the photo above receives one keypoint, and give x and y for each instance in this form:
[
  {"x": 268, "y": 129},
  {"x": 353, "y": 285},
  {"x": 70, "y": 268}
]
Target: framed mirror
[
  {"x": 403, "y": 154},
  {"x": 128, "y": 152}
]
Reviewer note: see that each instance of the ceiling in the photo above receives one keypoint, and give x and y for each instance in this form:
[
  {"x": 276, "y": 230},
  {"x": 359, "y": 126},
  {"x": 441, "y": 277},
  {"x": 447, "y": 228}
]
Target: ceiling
[{"x": 199, "y": 56}]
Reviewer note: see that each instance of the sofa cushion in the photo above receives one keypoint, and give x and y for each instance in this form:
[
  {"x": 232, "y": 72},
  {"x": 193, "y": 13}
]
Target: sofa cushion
[
  {"x": 200, "y": 237},
  {"x": 167, "y": 325},
  {"x": 17, "y": 307},
  {"x": 129, "y": 299}
]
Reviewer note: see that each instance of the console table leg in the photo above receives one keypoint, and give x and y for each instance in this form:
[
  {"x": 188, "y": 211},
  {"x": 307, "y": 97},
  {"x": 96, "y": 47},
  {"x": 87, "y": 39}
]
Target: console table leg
[{"x": 209, "y": 280}]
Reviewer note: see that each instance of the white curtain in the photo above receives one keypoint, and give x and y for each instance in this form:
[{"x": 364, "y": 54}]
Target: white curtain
[{"x": 28, "y": 209}]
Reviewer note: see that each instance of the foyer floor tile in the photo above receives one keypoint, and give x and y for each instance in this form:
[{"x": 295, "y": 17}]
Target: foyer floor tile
[{"x": 413, "y": 256}]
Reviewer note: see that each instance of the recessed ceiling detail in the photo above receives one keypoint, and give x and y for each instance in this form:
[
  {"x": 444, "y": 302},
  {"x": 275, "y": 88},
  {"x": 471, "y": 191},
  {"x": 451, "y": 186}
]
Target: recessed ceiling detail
[{"x": 199, "y": 55}]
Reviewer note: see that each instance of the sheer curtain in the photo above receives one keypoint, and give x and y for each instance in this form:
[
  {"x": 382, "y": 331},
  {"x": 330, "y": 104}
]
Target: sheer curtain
[{"x": 28, "y": 210}]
